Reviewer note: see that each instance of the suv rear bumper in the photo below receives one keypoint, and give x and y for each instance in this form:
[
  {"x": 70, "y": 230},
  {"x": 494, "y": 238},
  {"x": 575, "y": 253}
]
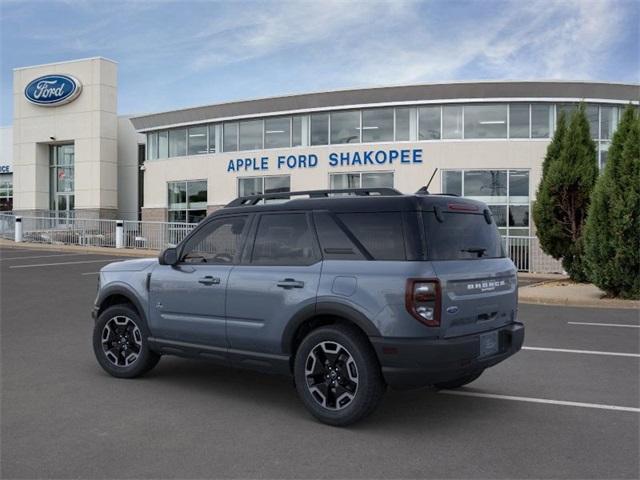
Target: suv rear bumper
[{"x": 412, "y": 363}]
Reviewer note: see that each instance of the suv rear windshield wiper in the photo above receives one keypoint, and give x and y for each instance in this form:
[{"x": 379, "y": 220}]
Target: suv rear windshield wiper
[{"x": 479, "y": 250}]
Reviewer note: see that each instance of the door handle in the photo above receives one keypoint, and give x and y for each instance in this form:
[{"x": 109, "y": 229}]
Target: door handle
[
  {"x": 290, "y": 283},
  {"x": 209, "y": 280}
]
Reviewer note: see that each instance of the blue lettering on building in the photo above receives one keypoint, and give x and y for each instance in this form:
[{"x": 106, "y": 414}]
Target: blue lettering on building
[{"x": 405, "y": 156}]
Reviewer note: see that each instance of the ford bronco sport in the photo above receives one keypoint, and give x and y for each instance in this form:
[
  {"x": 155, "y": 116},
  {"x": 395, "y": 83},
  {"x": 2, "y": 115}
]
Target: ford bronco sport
[{"x": 348, "y": 291}]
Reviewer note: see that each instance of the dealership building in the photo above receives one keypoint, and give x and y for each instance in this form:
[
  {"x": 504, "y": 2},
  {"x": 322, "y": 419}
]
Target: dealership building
[{"x": 69, "y": 151}]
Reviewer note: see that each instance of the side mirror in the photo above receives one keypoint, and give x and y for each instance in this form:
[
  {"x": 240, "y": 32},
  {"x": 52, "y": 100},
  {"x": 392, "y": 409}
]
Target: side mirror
[{"x": 168, "y": 257}]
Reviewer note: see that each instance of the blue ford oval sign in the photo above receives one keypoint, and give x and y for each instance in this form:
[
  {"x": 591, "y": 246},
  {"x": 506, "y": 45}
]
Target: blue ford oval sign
[{"x": 53, "y": 90}]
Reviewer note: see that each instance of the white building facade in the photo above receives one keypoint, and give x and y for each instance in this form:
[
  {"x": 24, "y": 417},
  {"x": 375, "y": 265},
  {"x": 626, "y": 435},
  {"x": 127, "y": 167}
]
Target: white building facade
[{"x": 485, "y": 140}]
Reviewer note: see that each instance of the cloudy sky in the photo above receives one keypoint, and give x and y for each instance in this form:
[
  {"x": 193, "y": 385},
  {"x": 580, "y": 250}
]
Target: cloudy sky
[{"x": 174, "y": 54}]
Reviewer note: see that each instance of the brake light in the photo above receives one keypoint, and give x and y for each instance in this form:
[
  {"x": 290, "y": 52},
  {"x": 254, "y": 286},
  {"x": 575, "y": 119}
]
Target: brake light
[
  {"x": 463, "y": 207},
  {"x": 422, "y": 300}
]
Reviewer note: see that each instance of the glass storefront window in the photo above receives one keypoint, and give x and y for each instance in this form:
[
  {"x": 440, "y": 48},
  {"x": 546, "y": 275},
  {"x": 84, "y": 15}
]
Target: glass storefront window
[
  {"x": 519, "y": 216},
  {"x": 197, "y": 194},
  {"x": 320, "y": 129},
  {"x": 277, "y": 184},
  {"x": 61, "y": 183},
  {"x": 452, "y": 121},
  {"x": 178, "y": 142},
  {"x": 485, "y": 121},
  {"x": 277, "y": 132},
  {"x": 163, "y": 144},
  {"x": 197, "y": 140},
  {"x": 230, "y": 137},
  {"x": 377, "y": 125},
  {"x": 519, "y": 186},
  {"x": 212, "y": 138},
  {"x": 604, "y": 152},
  {"x": 377, "y": 180},
  {"x": 499, "y": 213},
  {"x": 249, "y": 186},
  {"x": 568, "y": 109},
  {"x": 510, "y": 212},
  {"x": 541, "y": 120},
  {"x": 592, "y": 117},
  {"x": 177, "y": 195},
  {"x": 187, "y": 201},
  {"x": 260, "y": 185},
  {"x": 6, "y": 192},
  {"x": 452, "y": 182},
  {"x": 251, "y": 135},
  {"x": 489, "y": 186},
  {"x": 345, "y": 127},
  {"x": 403, "y": 124},
  {"x": 338, "y": 181},
  {"x": 429, "y": 123},
  {"x": 152, "y": 146},
  {"x": 296, "y": 131},
  {"x": 519, "y": 120},
  {"x": 608, "y": 122}
]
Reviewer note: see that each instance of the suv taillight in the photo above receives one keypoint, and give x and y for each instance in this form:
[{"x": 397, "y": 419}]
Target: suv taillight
[{"x": 422, "y": 300}]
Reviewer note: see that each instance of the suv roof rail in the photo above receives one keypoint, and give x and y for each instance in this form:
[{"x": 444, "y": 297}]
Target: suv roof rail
[{"x": 361, "y": 192}]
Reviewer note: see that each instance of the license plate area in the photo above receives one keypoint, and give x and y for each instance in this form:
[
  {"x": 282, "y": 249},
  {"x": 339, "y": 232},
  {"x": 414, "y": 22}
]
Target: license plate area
[{"x": 489, "y": 344}]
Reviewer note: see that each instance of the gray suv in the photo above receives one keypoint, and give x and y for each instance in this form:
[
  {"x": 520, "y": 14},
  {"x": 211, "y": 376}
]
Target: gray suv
[{"x": 348, "y": 291}]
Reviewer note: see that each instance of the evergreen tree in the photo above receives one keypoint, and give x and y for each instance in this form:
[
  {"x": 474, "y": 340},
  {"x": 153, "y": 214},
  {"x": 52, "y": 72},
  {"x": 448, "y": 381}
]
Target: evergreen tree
[
  {"x": 563, "y": 198},
  {"x": 548, "y": 231},
  {"x": 612, "y": 233}
]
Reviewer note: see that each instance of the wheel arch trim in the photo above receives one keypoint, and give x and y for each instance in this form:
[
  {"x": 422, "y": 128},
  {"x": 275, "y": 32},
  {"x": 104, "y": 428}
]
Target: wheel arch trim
[
  {"x": 124, "y": 291},
  {"x": 333, "y": 309}
]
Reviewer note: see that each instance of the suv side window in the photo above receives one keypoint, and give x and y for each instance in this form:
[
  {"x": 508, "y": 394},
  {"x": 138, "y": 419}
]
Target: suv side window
[
  {"x": 218, "y": 242},
  {"x": 381, "y": 234},
  {"x": 335, "y": 243},
  {"x": 284, "y": 239}
]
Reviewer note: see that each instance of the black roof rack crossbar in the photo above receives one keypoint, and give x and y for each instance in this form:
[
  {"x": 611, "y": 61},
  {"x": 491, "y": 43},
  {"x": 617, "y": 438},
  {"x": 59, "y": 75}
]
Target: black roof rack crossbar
[{"x": 362, "y": 192}]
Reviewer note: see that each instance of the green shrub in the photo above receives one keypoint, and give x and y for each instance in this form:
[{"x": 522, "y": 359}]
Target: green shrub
[
  {"x": 560, "y": 210},
  {"x": 612, "y": 233}
]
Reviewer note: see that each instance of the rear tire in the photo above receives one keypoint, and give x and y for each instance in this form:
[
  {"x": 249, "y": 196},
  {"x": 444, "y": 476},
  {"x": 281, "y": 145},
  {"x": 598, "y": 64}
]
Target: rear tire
[
  {"x": 337, "y": 375},
  {"x": 120, "y": 342},
  {"x": 458, "y": 382}
]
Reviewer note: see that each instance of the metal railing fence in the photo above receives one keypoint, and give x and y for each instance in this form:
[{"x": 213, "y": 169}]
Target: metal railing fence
[
  {"x": 154, "y": 235},
  {"x": 527, "y": 255},
  {"x": 69, "y": 231},
  {"x": 525, "y": 252},
  {"x": 7, "y": 226}
]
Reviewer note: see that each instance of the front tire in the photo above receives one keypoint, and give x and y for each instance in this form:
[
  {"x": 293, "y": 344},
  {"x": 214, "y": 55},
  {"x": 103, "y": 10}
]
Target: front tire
[
  {"x": 120, "y": 343},
  {"x": 337, "y": 375}
]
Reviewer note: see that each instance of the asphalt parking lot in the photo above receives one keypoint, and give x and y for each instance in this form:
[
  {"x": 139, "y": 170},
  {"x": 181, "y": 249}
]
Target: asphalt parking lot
[{"x": 565, "y": 407}]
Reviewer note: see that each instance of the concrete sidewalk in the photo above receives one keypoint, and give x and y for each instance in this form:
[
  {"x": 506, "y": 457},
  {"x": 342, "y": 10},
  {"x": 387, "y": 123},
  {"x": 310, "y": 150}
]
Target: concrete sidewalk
[
  {"x": 561, "y": 291},
  {"x": 546, "y": 289}
]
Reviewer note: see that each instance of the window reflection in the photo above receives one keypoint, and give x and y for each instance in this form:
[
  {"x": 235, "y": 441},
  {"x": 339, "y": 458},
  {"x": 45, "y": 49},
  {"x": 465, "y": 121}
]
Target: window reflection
[
  {"x": 485, "y": 121},
  {"x": 377, "y": 125},
  {"x": 345, "y": 127}
]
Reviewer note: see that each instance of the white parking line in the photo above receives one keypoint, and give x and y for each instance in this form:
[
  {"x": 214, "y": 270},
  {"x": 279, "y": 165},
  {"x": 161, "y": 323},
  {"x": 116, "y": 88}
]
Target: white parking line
[
  {"x": 41, "y": 256},
  {"x": 604, "y": 324},
  {"x": 66, "y": 263},
  {"x": 588, "y": 352},
  {"x": 600, "y": 406}
]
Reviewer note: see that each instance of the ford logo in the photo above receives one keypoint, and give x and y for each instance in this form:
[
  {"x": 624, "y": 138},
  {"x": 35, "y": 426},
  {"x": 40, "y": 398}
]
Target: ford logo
[{"x": 53, "y": 90}]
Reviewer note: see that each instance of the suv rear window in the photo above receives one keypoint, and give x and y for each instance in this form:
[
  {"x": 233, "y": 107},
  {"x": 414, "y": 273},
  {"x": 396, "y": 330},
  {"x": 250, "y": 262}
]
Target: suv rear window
[
  {"x": 380, "y": 233},
  {"x": 461, "y": 236}
]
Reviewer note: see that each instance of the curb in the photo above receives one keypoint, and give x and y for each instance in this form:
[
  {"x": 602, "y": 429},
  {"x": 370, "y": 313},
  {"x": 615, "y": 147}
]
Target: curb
[{"x": 568, "y": 302}]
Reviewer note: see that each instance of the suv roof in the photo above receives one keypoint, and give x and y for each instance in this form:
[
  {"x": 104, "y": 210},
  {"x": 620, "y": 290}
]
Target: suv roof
[{"x": 359, "y": 199}]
